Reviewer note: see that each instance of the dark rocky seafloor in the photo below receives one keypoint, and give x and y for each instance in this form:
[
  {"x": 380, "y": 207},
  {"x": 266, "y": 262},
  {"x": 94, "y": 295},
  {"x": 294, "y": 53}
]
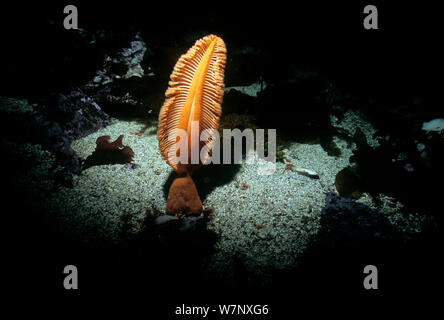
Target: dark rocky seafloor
[{"x": 357, "y": 122}]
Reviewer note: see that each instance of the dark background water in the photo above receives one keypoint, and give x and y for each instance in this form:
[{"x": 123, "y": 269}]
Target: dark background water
[
  {"x": 396, "y": 61},
  {"x": 385, "y": 69}
]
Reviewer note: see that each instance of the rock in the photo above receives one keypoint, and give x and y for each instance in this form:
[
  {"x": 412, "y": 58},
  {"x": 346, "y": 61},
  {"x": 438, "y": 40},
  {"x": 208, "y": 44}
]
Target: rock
[
  {"x": 125, "y": 64},
  {"x": 122, "y": 86},
  {"x": 29, "y": 125},
  {"x": 251, "y": 90},
  {"x": 348, "y": 184},
  {"x": 420, "y": 147},
  {"x": 349, "y": 222},
  {"x": 360, "y": 139},
  {"x": 77, "y": 113},
  {"x": 236, "y": 101},
  {"x": 58, "y": 121},
  {"x": 433, "y": 125},
  {"x": 192, "y": 224},
  {"x": 243, "y": 70}
]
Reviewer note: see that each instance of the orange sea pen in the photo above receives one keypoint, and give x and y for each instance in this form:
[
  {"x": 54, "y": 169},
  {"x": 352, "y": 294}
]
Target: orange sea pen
[{"x": 195, "y": 94}]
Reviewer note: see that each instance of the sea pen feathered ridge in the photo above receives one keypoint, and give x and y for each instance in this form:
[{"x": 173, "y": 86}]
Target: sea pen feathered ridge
[{"x": 195, "y": 94}]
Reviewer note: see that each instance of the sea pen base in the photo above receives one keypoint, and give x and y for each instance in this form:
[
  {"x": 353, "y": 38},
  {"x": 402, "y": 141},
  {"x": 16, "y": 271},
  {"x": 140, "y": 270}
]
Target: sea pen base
[{"x": 183, "y": 197}]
